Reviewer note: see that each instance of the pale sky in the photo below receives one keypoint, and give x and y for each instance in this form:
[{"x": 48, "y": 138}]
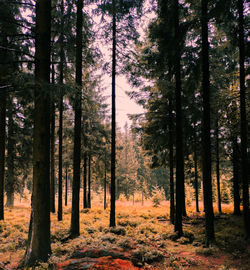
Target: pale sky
[{"x": 124, "y": 105}]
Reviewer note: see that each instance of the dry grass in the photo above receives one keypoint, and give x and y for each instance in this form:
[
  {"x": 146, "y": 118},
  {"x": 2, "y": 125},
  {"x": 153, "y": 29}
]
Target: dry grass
[{"x": 144, "y": 230}]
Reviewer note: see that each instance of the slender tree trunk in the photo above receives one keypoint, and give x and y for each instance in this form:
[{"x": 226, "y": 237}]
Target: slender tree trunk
[
  {"x": 85, "y": 203},
  {"x": 105, "y": 182},
  {"x": 10, "y": 179},
  {"x": 218, "y": 166},
  {"x": 60, "y": 133},
  {"x": 196, "y": 174},
  {"x": 206, "y": 140},
  {"x": 179, "y": 131},
  {"x": 85, "y": 160},
  {"x": 2, "y": 148},
  {"x": 38, "y": 248},
  {"x": 243, "y": 122},
  {"x": 171, "y": 162},
  {"x": 236, "y": 190},
  {"x": 66, "y": 186},
  {"x": 3, "y": 100},
  {"x": 113, "y": 132},
  {"x": 75, "y": 226},
  {"x": 184, "y": 211},
  {"x": 52, "y": 146},
  {"x": 59, "y": 213},
  {"x": 89, "y": 183}
]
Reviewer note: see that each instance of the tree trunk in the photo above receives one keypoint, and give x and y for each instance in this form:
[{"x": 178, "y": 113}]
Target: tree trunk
[
  {"x": 59, "y": 213},
  {"x": 243, "y": 122},
  {"x": 52, "y": 147},
  {"x": 60, "y": 133},
  {"x": 113, "y": 132},
  {"x": 171, "y": 163},
  {"x": 2, "y": 140},
  {"x": 66, "y": 186},
  {"x": 75, "y": 226},
  {"x": 85, "y": 203},
  {"x": 10, "y": 179},
  {"x": 38, "y": 248},
  {"x": 206, "y": 140},
  {"x": 89, "y": 183},
  {"x": 179, "y": 131},
  {"x": 218, "y": 166},
  {"x": 196, "y": 174},
  {"x": 105, "y": 182},
  {"x": 236, "y": 190}
]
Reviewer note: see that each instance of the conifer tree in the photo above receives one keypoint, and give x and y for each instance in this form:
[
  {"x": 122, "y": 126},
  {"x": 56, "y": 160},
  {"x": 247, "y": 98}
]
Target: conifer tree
[
  {"x": 206, "y": 140},
  {"x": 243, "y": 120},
  {"x": 75, "y": 226},
  {"x": 38, "y": 247}
]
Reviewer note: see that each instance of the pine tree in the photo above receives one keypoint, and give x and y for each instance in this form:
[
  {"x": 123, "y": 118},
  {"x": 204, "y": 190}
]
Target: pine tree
[
  {"x": 38, "y": 248},
  {"x": 206, "y": 141},
  {"x": 75, "y": 226},
  {"x": 243, "y": 120}
]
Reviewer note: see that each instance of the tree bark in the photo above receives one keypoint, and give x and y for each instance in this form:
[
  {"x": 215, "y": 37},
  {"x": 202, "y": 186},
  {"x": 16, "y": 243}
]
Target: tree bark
[
  {"x": 206, "y": 140},
  {"x": 196, "y": 174},
  {"x": 66, "y": 186},
  {"x": 3, "y": 100},
  {"x": 89, "y": 182},
  {"x": 75, "y": 226},
  {"x": 52, "y": 147},
  {"x": 105, "y": 182},
  {"x": 10, "y": 179},
  {"x": 236, "y": 189},
  {"x": 60, "y": 133},
  {"x": 113, "y": 124},
  {"x": 218, "y": 166},
  {"x": 85, "y": 203},
  {"x": 38, "y": 248},
  {"x": 179, "y": 129},
  {"x": 243, "y": 122},
  {"x": 2, "y": 148},
  {"x": 171, "y": 163}
]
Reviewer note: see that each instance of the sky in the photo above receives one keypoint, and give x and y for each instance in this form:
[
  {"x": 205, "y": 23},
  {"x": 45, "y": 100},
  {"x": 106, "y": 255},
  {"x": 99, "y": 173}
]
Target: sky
[{"x": 124, "y": 105}]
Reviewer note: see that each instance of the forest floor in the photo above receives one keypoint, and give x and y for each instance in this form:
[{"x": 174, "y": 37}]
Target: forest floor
[{"x": 143, "y": 239}]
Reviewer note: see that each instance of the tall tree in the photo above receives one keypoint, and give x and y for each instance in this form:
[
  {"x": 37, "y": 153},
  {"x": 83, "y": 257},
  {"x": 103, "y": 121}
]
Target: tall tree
[
  {"x": 179, "y": 131},
  {"x": 38, "y": 248},
  {"x": 206, "y": 139},
  {"x": 52, "y": 143},
  {"x": 60, "y": 132},
  {"x": 243, "y": 120},
  {"x": 113, "y": 131},
  {"x": 75, "y": 226}
]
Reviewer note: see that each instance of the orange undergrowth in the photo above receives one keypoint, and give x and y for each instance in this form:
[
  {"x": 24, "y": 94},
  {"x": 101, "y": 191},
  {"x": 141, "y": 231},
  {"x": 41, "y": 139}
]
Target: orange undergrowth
[{"x": 143, "y": 232}]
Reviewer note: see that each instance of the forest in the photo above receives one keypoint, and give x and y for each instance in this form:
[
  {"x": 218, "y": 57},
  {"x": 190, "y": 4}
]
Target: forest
[{"x": 170, "y": 189}]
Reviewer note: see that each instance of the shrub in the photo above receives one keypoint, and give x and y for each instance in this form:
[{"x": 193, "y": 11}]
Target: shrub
[
  {"x": 146, "y": 255},
  {"x": 158, "y": 195}
]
